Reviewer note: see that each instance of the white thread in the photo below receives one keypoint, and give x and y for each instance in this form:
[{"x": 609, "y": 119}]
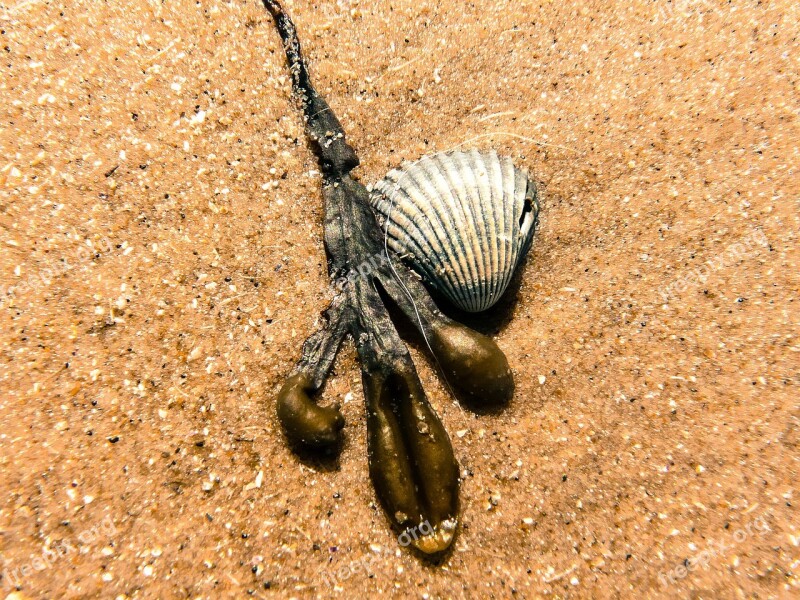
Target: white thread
[
  {"x": 514, "y": 135},
  {"x": 410, "y": 297},
  {"x": 400, "y": 281}
]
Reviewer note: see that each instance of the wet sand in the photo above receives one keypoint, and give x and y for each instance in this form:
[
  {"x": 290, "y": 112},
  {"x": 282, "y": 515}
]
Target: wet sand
[{"x": 162, "y": 263}]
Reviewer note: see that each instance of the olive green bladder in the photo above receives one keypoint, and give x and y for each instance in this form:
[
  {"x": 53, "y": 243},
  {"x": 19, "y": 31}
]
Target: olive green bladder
[
  {"x": 411, "y": 460},
  {"x": 473, "y": 364},
  {"x": 305, "y": 422}
]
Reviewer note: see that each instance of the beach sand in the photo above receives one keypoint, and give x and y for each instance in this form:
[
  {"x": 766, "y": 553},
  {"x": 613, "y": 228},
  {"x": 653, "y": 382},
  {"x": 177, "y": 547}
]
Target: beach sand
[{"x": 162, "y": 263}]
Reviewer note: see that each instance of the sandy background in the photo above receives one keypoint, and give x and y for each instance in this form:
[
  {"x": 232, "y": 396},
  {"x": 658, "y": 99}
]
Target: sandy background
[{"x": 162, "y": 261}]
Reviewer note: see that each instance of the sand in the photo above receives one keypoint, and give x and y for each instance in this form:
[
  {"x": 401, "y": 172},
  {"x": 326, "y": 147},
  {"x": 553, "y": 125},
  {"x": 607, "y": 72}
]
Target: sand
[{"x": 162, "y": 262}]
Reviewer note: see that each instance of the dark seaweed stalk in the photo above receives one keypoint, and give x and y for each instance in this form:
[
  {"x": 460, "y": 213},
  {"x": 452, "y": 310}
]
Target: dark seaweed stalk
[{"x": 410, "y": 456}]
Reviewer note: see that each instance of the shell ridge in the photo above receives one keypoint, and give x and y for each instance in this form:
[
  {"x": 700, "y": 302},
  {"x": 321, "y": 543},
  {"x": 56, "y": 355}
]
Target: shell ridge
[
  {"x": 487, "y": 209},
  {"x": 397, "y": 205},
  {"x": 410, "y": 243},
  {"x": 520, "y": 190},
  {"x": 452, "y": 210},
  {"x": 413, "y": 223},
  {"x": 470, "y": 236},
  {"x": 421, "y": 224},
  {"x": 511, "y": 240},
  {"x": 449, "y": 265},
  {"x": 500, "y": 203},
  {"x": 470, "y": 186}
]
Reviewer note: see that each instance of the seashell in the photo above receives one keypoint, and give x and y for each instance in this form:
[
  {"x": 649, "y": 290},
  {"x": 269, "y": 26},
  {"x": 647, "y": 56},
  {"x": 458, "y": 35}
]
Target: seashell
[{"x": 464, "y": 220}]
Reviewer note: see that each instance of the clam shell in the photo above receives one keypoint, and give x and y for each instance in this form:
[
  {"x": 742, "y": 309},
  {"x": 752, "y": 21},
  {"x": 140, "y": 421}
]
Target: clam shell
[{"x": 464, "y": 220}]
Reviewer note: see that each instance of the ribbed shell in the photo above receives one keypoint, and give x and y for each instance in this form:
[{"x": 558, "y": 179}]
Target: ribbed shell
[{"x": 464, "y": 220}]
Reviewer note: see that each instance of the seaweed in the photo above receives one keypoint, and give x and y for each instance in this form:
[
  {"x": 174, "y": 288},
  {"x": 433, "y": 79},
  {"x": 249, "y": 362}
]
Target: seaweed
[{"x": 411, "y": 460}]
